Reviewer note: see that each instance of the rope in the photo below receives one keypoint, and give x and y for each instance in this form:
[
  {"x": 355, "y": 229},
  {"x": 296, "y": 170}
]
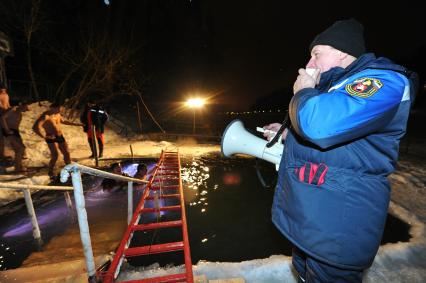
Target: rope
[{"x": 149, "y": 112}]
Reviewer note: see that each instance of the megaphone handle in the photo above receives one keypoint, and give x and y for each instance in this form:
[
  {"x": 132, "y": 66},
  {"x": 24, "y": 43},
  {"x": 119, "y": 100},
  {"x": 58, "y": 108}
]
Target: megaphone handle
[{"x": 279, "y": 132}]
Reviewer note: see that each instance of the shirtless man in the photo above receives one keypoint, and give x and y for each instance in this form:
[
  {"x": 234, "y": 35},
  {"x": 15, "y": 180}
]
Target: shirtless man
[
  {"x": 4, "y": 106},
  {"x": 50, "y": 123},
  {"x": 10, "y": 122}
]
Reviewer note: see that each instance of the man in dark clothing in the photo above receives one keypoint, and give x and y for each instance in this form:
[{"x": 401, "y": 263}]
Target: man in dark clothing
[
  {"x": 10, "y": 122},
  {"x": 94, "y": 118},
  {"x": 347, "y": 119}
]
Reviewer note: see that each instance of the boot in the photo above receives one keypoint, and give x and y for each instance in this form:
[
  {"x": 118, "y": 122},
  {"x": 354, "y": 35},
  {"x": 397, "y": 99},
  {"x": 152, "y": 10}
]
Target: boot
[{"x": 92, "y": 148}]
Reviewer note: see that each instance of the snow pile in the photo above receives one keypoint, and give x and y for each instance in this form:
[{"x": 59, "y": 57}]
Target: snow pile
[{"x": 274, "y": 269}]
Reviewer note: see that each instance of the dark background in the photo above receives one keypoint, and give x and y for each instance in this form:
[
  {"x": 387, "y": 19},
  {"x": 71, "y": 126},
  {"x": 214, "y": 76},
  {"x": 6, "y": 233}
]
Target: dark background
[{"x": 241, "y": 55}]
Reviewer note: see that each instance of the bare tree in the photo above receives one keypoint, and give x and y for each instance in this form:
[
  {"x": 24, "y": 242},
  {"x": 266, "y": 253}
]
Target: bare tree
[
  {"x": 25, "y": 18},
  {"x": 94, "y": 65}
]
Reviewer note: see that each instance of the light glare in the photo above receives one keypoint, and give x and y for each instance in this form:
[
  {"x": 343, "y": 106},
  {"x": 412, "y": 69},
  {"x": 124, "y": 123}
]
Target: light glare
[{"x": 195, "y": 102}]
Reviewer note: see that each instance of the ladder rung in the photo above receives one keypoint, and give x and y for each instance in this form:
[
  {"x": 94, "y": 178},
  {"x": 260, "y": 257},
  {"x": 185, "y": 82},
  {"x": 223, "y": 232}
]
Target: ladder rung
[
  {"x": 181, "y": 277},
  {"x": 164, "y": 208},
  {"x": 154, "y": 249},
  {"x": 164, "y": 196},
  {"x": 164, "y": 176},
  {"x": 156, "y": 225},
  {"x": 166, "y": 187},
  {"x": 168, "y": 174}
]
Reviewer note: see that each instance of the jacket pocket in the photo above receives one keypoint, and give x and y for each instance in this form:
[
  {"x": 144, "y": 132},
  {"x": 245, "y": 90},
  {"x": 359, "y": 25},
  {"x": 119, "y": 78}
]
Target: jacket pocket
[{"x": 315, "y": 216}]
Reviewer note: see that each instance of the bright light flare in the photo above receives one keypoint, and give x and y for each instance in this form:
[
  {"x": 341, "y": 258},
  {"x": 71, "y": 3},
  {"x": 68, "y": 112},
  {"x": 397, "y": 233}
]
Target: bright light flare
[{"x": 195, "y": 102}]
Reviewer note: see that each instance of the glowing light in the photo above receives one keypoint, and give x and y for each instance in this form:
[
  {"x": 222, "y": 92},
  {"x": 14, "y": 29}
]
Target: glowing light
[
  {"x": 195, "y": 102},
  {"x": 204, "y": 240},
  {"x": 231, "y": 179},
  {"x": 203, "y": 210}
]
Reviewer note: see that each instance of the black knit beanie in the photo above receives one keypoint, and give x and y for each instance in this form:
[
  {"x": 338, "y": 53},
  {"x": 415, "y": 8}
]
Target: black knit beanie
[{"x": 345, "y": 35}]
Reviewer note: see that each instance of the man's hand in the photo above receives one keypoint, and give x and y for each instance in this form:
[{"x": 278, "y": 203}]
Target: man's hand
[
  {"x": 273, "y": 127},
  {"x": 304, "y": 80}
]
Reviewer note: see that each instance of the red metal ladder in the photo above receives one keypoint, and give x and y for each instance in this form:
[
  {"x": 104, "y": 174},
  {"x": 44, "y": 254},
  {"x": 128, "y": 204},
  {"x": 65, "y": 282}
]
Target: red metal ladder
[{"x": 166, "y": 177}]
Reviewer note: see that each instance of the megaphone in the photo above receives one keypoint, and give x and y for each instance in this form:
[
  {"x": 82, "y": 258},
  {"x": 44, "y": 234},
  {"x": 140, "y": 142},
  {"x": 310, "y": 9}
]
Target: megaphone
[{"x": 237, "y": 140}]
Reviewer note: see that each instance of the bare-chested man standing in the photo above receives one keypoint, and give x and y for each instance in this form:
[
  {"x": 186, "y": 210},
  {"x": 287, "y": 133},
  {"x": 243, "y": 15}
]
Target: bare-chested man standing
[
  {"x": 4, "y": 106},
  {"x": 50, "y": 121},
  {"x": 10, "y": 122}
]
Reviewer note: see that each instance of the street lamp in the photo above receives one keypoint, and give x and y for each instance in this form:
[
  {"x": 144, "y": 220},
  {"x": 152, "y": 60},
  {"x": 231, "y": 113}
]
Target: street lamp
[{"x": 194, "y": 103}]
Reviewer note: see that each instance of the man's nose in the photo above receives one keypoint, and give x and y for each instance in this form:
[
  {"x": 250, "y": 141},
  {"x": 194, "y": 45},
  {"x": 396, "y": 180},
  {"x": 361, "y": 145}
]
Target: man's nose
[{"x": 311, "y": 64}]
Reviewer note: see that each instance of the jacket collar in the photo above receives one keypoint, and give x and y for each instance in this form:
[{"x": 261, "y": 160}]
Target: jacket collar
[{"x": 365, "y": 61}]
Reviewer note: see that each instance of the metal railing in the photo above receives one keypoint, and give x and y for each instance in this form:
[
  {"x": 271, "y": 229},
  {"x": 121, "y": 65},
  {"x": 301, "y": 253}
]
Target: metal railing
[
  {"x": 74, "y": 170},
  {"x": 29, "y": 202}
]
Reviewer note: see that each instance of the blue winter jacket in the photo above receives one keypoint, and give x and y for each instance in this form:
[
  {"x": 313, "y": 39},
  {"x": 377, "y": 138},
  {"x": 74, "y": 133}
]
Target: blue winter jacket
[{"x": 351, "y": 123}]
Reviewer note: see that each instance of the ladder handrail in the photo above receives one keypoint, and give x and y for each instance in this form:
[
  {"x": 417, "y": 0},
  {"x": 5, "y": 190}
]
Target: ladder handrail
[
  {"x": 187, "y": 253},
  {"x": 114, "y": 268},
  {"x": 116, "y": 262}
]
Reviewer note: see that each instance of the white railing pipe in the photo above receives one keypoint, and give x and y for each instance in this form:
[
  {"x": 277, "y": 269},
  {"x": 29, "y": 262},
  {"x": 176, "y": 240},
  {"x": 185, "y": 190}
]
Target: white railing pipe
[
  {"x": 75, "y": 170},
  {"x": 29, "y": 202},
  {"x": 83, "y": 224},
  {"x": 31, "y": 212},
  {"x": 15, "y": 186},
  {"x": 65, "y": 173}
]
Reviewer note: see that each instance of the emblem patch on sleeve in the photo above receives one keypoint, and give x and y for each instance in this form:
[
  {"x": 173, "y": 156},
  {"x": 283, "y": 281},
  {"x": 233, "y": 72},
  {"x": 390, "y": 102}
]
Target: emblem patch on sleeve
[{"x": 364, "y": 87}]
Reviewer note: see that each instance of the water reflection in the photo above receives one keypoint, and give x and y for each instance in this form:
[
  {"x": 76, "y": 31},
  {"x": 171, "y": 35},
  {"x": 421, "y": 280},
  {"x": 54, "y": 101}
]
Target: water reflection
[
  {"x": 194, "y": 176},
  {"x": 229, "y": 211}
]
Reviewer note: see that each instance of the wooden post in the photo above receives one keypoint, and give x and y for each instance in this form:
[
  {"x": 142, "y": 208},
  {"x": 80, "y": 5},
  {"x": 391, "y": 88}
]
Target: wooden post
[
  {"x": 95, "y": 146},
  {"x": 129, "y": 201},
  {"x": 131, "y": 152}
]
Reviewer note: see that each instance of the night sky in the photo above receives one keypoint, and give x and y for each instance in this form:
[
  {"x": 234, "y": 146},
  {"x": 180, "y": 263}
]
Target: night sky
[{"x": 242, "y": 54}]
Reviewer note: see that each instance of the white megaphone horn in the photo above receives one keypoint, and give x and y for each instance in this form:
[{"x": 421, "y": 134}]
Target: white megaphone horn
[{"x": 237, "y": 140}]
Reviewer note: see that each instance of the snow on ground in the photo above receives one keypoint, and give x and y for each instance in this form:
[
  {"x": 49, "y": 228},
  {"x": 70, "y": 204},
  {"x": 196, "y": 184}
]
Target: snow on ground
[
  {"x": 115, "y": 146},
  {"x": 400, "y": 262}
]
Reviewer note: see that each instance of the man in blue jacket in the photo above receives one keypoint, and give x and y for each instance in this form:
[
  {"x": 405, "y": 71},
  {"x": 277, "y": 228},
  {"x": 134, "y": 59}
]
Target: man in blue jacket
[{"x": 347, "y": 119}]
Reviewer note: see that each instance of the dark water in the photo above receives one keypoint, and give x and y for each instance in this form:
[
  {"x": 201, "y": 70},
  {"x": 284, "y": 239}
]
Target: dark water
[{"x": 228, "y": 215}]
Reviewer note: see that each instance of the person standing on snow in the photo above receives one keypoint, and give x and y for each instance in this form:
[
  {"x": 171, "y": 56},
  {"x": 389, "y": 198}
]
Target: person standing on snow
[
  {"x": 94, "y": 117},
  {"x": 48, "y": 126},
  {"x": 347, "y": 120},
  {"x": 4, "y": 106},
  {"x": 10, "y": 122}
]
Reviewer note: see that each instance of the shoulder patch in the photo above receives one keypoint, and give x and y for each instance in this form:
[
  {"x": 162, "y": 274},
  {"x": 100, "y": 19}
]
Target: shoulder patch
[{"x": 364, "y": 87}]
